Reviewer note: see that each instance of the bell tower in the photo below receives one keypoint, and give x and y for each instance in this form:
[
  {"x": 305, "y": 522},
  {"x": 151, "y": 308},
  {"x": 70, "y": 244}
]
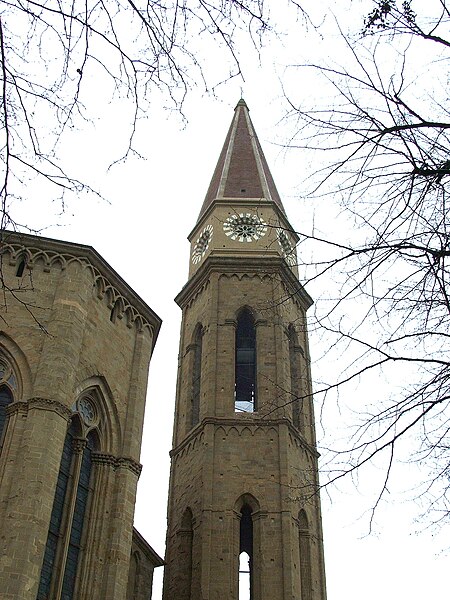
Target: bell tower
[{"x": 244, "y": 510}]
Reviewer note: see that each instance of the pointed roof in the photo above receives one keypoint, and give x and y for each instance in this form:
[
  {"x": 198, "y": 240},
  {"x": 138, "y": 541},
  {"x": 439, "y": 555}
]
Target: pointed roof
[{"x": 242, "y": 171}]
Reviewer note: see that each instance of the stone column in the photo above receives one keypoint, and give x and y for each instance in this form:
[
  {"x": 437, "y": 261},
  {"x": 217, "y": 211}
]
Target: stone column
[
  {"x": 132, "y": 435},
  {"x": 120, "y": 531},
  {"x": 96, "y": 540},
  {"x": 28, "y": 500}
]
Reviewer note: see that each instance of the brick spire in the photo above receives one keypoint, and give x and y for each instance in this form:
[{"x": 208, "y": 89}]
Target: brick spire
[{"x": 242, "y": 171}]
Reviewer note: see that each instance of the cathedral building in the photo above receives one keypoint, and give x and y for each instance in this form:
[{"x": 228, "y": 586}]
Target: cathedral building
[
  {"x": 75, "y": 345},
  {"x": 244, "y": 515}
]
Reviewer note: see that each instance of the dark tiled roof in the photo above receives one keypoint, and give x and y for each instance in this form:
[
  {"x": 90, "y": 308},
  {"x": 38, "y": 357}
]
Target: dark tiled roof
[{"x": 242, "y": 170}]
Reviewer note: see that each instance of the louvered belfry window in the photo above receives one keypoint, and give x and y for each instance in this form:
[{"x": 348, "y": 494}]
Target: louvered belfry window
[
  {"x": 196, "y": 375},
  {"x": 245, "y": 365}
]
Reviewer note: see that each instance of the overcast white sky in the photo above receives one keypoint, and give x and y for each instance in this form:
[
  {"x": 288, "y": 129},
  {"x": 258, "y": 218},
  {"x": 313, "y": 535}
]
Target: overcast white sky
[{"x": 142, "y": 233}]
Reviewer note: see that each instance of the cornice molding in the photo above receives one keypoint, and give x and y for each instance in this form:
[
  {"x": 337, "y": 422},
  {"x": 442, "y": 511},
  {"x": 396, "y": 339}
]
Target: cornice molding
[
  {"x": 259, "y": 265},
  {"x": 129, "y": 463},
  {"x": 104, "y": 459},
  {"x": 117, "y": 462},
  {"x": 23, "y": 406}
]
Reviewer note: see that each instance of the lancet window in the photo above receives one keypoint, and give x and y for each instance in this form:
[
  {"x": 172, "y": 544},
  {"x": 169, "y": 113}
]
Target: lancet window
[
  {"x": 246, "y": 554},
  {"x": 305, "y": 556},
  {"x": 186, "y": 534},
  {"x": 133, "y": 576},
  {"x": 296, "y": 401},
  {"x": 8, "y": 386},
  {"x": 69, "y": 512},
  {"x": 196, "y": 374},
  {"x": 245, "y": 363}
]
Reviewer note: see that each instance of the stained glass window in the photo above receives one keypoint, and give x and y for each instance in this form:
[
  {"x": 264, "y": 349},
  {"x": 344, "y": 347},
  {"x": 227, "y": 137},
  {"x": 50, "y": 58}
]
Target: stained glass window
[{"x": 68, "y": 515}]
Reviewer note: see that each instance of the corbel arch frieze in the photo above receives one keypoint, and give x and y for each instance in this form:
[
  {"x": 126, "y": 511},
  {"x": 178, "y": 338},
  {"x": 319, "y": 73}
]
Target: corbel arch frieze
[
  {"x": 247, "y": 499},
  {"x": 227, "y": 430},
  {"x": 246, "y": 428},
  {"x": 199, "y": 292},
  {"x": 189, "y": 446},
  {"x": 50, "y": 258},
  {"x": 246, "y": 431},
  {"x": 241, "y": 276},
  {"x": 16, "y": 255},
  {"x": 119, "y": 306}
]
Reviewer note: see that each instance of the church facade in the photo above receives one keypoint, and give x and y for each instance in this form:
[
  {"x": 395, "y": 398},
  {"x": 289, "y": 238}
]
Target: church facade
[
  {"x": 75, "y": 345},
  {"x": 244, "y": 515}
]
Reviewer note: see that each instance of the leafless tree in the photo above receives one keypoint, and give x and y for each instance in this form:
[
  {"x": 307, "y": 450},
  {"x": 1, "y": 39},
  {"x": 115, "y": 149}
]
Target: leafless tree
[
  {"x": 382, "y": 148},
  {"x": 51, "y": 52}
]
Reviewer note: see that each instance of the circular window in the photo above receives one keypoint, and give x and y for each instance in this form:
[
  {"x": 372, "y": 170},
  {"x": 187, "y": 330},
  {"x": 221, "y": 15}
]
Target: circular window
[{"x": 87, "y": 410}]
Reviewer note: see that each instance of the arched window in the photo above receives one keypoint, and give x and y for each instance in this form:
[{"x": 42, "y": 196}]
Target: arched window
[
  {"x": 297, "y": 404},
  {"x": 133, "y": 577},
  {"x": 63, "y": 547},
  {"x": 196, "y": 375},
  {"x": 248, "y": 564},
  {"x": 305, "y": 556},
  {"x": 246, "y": 554},
  {"x": 8, "y": 385},
  {"x": 6, "y": 399},
  {"x": 186, "y": 534},
  {"x": 20, "y": 267},
  {"x": 245, "y": 590},
  {"x": 245, "y": 363}
]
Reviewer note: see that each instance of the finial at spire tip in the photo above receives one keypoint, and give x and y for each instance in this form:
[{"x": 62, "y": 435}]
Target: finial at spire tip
[{"x": 241, "y": 103}]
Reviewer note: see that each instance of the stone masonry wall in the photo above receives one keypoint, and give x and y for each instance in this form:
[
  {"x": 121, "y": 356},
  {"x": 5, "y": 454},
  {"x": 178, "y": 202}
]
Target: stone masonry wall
[{"x": 66, "y": 332}]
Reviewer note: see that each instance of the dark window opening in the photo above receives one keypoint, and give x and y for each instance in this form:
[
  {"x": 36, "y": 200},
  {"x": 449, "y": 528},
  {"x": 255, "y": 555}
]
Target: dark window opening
[
  {"x": 305, "y": 557},
  {"x": 66, "y": 523},
  {"x": 81, "y": 500},
  {"x": 5, "y": 399},
  {"x": 196, "y": 377},
  {"x": 20, "y": 268},
  {"x": 113, "y": 313},
  {"x": 56, "y": 517},
  {"x": 186, "y": 550},
  {"x": 246, "y": 554},
  {"x": 295, "y": 379},
  {"x": 245, "y": 376}
]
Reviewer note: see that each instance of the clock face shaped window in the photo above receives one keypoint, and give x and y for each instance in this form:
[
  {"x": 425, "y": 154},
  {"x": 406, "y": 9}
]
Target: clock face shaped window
[
  {"x": 245, "y": 227},
  {"x": 201, "y": 245},
  {"x": 287, "y": 249}
]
